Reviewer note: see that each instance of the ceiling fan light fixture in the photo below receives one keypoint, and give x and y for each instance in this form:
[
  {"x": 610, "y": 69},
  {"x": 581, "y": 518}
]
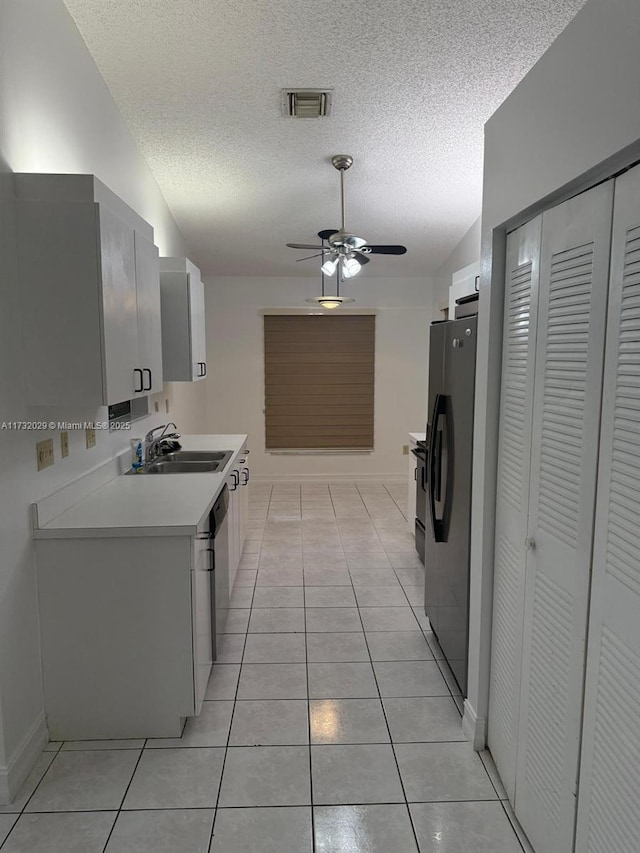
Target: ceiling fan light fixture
[
  {"x": 330, "y": 302},
  {"x": 329, "y": 266},
  {"x": 350, "y": 267}
]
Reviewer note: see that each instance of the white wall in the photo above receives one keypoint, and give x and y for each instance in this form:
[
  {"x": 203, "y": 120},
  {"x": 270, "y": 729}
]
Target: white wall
[
  {"x": 56, "y": 115},
  {"x": 235, "y": 355},
  {"x": 466, "y": 252},
  {"x": 573, "y": 120}
]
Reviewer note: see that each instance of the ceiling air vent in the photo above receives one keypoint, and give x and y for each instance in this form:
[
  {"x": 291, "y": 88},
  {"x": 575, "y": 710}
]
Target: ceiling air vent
[{"x": 306, "y": 103}]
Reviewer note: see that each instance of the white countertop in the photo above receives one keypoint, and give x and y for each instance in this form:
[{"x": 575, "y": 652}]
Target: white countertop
[
  {"x": 148, "y": 504},
  {"x": 417, "y": 436}
]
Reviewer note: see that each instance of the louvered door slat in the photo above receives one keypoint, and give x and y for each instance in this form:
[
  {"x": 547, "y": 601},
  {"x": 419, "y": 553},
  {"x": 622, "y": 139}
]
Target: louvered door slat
[
  {"x": 608, "y": 813},
  {"x": 568, "y": 386},
  {"x": 521, "y": 299}
]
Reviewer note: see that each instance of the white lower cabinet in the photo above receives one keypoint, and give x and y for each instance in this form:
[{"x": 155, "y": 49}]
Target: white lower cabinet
[
  {"x": 203, "y": 627},
  {"x": 238, "y": 485},
  {"x": 126, "y": 633}
]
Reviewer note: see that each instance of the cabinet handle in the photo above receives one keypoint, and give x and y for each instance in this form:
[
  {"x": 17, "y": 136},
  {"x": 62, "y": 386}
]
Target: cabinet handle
[
  {"x": 236, "y": 480},
  {"x": 245, "y": 471},
  {"x": 137, "y": 390},
  {"x": 204, "y": 368},
  {"x": 415, "y": 474},
  {"x": 148, "y": 387}
]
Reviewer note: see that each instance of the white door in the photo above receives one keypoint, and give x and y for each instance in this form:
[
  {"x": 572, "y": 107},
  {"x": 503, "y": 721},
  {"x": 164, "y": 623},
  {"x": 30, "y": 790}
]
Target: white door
[
  {"x": 608, "y": 804},
  {"x": 574, "y": 272},
  {"x": 512, "y": 506},
  {"x": 148, "y": 313},
  {"x": 119, "y": 310}
]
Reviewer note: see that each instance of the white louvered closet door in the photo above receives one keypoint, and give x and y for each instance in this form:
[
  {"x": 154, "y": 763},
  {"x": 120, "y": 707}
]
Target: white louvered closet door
[
  {"x": 574, "y": 272},
  {"x": 609, "y": 791},
  {"x": 512, "y": 506}
]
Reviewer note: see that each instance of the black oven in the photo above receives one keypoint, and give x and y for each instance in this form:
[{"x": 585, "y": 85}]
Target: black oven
[{"x": 420, "y": 452}]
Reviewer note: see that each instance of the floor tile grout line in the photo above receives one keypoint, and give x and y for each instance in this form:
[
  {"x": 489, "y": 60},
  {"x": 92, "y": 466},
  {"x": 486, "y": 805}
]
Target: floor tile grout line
[
  {"x": 512, "y": 825},
  {"x": 233, "y": 711},
  {"x": 124, "y": 796},
  {"x": 273, "y": 806},
  {"x": 395, "y": 502},
  {"x": 306, "y": 666},
  {"x": 386, "y": 720}
]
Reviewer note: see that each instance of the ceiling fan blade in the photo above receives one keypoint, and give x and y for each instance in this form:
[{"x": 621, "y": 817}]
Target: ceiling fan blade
[
  {"x": 308, "y": 258},
  {"x": 384, "y": 250},
  {"x": 304, "y": 246},
  {"x": 324, "y": 235}
]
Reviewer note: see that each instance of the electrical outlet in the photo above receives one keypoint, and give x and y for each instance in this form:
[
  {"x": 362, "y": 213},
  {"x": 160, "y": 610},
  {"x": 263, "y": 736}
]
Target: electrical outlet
[
  {"x": 405, "y": 449},
  {"x": 91, "y": 437},
  {"x": 64, "y": 444},
  {"x": 44, "y": 451}
]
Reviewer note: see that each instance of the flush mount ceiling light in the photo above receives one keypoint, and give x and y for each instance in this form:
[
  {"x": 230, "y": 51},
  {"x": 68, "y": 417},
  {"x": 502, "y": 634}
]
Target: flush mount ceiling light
[{"x": 330, "y": 266}]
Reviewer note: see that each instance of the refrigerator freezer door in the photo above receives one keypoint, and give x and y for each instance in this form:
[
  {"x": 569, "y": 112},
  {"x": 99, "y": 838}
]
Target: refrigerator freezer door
[{"x": 449, "y": 491}]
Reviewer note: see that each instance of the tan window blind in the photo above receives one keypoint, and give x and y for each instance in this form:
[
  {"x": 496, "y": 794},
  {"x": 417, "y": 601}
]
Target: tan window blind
[{"x": 319, "y": 380}]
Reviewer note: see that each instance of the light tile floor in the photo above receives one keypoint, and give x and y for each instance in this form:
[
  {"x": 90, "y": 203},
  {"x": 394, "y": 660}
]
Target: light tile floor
[{"x": 331, "y": 722}]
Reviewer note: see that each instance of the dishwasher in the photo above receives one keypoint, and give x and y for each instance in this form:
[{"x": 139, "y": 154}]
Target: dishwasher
[{"x": 219, "y": 567}]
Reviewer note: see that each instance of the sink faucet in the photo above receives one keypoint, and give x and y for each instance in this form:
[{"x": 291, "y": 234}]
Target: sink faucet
[{"x": 152, "y": 443}]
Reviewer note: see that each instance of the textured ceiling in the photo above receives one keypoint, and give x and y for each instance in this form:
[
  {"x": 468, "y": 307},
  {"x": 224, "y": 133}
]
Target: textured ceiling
[{"x": 198, "y": 83}]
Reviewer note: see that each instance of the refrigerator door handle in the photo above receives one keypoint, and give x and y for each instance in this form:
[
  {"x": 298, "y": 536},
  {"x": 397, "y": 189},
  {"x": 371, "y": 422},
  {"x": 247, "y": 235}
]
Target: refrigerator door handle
[
  {"x": 437, "y": 487},
  {"x": 435, "y": 466}
]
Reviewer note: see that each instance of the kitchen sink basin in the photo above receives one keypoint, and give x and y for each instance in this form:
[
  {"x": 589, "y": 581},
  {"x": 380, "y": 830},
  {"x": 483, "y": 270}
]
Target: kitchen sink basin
[
  {"x": 187, "y": 462},
  {"x": 219, "y": 456},
  {"x": 162, "y": 467}
]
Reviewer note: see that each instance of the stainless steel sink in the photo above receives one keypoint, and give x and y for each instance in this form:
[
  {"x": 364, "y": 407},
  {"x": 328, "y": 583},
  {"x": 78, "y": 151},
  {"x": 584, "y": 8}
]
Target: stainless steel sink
[
  {"x": 187, "y": 462},
  {"x": 220, "y": 456},
  {"x": 162, "y": 467}
]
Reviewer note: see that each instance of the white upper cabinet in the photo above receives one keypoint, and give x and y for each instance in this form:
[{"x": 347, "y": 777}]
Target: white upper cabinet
[
  {"x": 89, "y": 293},
  {"x": 148, "y": 315},
  {"x": 184, "y": 352}
]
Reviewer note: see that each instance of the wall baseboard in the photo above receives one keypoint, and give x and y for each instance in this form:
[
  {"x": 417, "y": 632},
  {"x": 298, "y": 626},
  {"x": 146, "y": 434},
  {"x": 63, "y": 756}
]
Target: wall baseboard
[
  {"x": 332, "y": 478},
  {"x": 15, "y": 772},
  {"x": 474, "y": 727}
]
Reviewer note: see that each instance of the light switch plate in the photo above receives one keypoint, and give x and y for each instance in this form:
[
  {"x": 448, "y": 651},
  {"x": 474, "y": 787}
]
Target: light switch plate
[
  {"x": 44, "y": 451},
  {"x": 64, "y": 444},
  {"x": 91, "y": 437},
  {"x": 405, "y": 449}
]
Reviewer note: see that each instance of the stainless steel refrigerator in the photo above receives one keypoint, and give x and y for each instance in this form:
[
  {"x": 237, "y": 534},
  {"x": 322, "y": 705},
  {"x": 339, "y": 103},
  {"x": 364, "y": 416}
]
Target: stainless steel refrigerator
[{"x": 452, "y": 367}]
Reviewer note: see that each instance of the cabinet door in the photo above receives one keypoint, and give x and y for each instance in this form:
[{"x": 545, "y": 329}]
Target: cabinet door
[
  {"x": 119, "y": 309},
  {"x": 243, "y": 504},
  {"x": 574, "y": 272},
  {"x": 202, "y": 628},
  {"x": 512, "y": 503},
  {"x": 148, "y": 315},
  {"x": 196, "y": 323},
  {"x": 608, "y": 814},
  {"x": 233, "y": 484}
]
